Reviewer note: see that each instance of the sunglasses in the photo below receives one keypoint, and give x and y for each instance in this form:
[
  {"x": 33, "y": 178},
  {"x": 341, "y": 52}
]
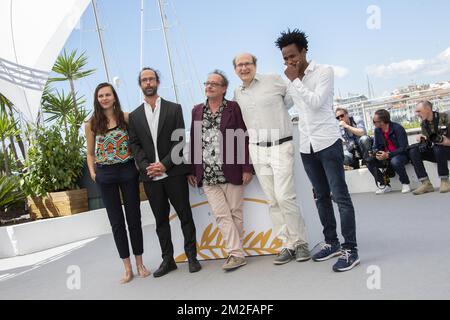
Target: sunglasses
[{"x": 341, "y": 116}]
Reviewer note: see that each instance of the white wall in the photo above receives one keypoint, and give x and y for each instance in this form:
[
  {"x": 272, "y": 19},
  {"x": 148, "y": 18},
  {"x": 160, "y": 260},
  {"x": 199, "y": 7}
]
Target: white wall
[{"x": 49, "y": 233}]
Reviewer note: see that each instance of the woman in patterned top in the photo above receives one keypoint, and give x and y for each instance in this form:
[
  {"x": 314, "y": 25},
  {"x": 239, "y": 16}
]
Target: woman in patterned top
[{"x": 112, "y": 167}]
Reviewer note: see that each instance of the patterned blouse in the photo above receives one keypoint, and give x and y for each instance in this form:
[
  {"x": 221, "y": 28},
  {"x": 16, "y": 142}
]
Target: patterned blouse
[
  {"x": 212, "y": 162},
  {"x": 112, "y": 147}
]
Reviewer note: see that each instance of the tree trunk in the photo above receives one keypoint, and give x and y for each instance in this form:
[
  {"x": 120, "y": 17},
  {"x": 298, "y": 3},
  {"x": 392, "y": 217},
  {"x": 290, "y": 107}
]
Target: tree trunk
[
  {"x": 66, "y": 128},
  {"x": 18, "y": 137},
  {"x": 72, "y": 89},
  {"x": 14, "y": 151},
  {"x": 6, "y": 158},
  {"x": 21, "y": 146}
]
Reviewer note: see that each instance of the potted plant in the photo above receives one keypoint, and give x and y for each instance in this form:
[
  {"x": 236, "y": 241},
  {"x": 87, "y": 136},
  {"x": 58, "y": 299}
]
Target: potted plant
[
  {"x": 57, "y": 151},
  {"x": 12, "y": 198}
]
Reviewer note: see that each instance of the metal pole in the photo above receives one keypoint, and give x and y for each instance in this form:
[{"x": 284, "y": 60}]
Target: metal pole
[
  {"x": 165, "y": 27},
  {"x": 94, "y": 6},
  {"x": 142, "y": 35},
  {"x": 142, "y": 43}
]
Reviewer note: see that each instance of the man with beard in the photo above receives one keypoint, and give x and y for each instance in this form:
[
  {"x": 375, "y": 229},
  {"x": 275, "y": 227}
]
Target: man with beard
[{"x": 160, "y": 161}]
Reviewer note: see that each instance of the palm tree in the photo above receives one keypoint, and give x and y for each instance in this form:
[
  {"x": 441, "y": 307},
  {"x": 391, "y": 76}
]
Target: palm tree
[
  {"x": 71, "y": 69},
  {"x": 59, "y": 106},
  {"x": 10, "y": 193},
  {"x": 7, "y": 107},
  {"x": 7, "y": 128}
]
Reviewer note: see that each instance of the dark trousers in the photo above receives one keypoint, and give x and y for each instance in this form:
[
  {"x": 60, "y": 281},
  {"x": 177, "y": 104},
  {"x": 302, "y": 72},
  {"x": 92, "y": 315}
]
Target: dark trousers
[
  {"x": 123, "y": 177},
  {"x": 397, "y": 163},
  {"x": 437, "y": 154},
  {"x": 325, "y": 170},
  {"x": 174, "y": 189}
]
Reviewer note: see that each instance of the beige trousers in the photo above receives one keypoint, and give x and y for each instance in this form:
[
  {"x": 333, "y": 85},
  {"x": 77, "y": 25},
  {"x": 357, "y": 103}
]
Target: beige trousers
[
  {"x": 274, "y": 167},
  {"x": 225, "y": 201}
]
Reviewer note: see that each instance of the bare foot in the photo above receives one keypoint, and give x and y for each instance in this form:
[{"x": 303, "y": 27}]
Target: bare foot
[
  {"x": 142, "y": 271},
  {"x": 127, "y": 277}
]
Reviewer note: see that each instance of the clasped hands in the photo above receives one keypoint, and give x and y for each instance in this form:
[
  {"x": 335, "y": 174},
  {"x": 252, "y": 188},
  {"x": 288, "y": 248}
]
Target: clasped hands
[{"x": 155, "y": 170}]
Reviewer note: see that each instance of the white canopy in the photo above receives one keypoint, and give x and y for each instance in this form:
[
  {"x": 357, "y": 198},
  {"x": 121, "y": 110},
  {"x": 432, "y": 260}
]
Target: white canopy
[{"x": 32, "y": 35}]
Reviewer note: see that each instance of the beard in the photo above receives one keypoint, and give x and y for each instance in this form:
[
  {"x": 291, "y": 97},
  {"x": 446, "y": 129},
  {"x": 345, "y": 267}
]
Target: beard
[{"x": 150, "y": 91}]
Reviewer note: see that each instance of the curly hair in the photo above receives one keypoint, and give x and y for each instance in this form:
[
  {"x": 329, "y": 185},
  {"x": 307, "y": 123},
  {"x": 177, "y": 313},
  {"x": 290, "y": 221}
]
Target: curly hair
[{"x": 289, "y": 37}]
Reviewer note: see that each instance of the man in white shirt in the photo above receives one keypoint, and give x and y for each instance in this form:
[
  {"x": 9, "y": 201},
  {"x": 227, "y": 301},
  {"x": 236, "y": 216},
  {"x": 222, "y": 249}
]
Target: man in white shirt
[
  {"x": 311, "y": 88},
  {"x": 264, "y": 106}
]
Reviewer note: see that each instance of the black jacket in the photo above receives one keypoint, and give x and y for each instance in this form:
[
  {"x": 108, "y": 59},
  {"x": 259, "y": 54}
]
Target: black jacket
[
  {"x": 397, "y": 134},
  {"x": 141, "y": 142}
]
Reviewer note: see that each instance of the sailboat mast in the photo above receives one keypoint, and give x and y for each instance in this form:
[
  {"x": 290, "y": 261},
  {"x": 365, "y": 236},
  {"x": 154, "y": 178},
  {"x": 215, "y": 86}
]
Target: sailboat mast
[
  {"x": 94, "y": 6},
  {"x": 165, "y": 27},
  {"x": 141, "y": 63},
  {"x": 142, "y": 35}
]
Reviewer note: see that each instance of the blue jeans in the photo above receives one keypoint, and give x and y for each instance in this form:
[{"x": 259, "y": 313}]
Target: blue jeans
[
  {"x": 437, "y": 154},
  {"x": 398, "y": 164},
  {"x": 364, "y": 144},
  {"x": 325, "y": 170}
]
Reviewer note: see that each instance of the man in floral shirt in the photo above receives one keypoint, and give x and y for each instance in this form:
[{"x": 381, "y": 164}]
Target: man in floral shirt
[{"x": 220, "y": 163}]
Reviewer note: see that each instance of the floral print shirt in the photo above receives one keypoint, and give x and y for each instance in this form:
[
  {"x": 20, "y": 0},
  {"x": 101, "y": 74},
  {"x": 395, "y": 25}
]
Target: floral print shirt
[{"x": 211, "y": 145}]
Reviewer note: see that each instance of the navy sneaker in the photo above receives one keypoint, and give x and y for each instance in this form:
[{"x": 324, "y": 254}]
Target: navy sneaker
[
  {"x": 347, "y": 261},
  {"x": 327, "y": 251}
]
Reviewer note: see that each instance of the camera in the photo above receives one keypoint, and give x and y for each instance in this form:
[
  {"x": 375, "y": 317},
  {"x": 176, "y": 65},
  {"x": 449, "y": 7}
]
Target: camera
[
  {"x": 372, "y": 154},
  {"x": 438, "y": 137},
  {"x": 423, "y": 145}
]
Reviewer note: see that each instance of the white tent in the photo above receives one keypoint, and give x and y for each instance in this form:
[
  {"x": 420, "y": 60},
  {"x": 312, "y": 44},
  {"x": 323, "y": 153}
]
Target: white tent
[{"x": 32, "y": 34}]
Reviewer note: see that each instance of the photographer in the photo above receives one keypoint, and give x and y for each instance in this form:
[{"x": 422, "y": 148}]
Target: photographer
[
  {"x": 356, "y": 143},
  {"x": 434, "y": 146},
  {"x": 389, "y": 152}
]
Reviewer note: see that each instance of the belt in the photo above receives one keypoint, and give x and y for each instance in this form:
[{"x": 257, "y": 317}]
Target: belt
[
  {"x": 270, "y": 144},
  {"x": 112, "y": 165}
]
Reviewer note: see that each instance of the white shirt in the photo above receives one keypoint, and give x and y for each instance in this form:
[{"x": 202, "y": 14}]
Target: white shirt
[
  {"x": 313, "y": 97},
  {"x": 153, "y": 120},
  {"x": 264, "y": 105}
]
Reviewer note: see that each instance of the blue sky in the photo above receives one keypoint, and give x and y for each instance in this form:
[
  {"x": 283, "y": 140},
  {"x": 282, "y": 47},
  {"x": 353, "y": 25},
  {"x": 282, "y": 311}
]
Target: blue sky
[{"x": 411, "y": 46}]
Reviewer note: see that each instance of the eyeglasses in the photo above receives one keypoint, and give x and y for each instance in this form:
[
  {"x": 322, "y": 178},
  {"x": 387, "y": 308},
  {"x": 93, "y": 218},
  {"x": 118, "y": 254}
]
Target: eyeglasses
[
  {"x": 339, "y": 117},
  {"x": 244, "y": 64},
  {"x": 375, "y": 122},
  {"x": 148, "y": 79},
  {"x": 213, "y": 84}
]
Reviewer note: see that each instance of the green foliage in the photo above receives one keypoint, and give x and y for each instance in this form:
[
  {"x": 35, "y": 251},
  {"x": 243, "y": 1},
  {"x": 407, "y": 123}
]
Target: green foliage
[
  {"x": 411, "y": 125},
  {"x": 8, "y": 128},
  {"x": 70, "y": 67},
  {"x": 57, "y": 151},
  {"x": 10, "y": 192},
  {"x": 2, "y": 163},
  {"x": 59, "y": 107},
  {"x": 55, "y": 161}
]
